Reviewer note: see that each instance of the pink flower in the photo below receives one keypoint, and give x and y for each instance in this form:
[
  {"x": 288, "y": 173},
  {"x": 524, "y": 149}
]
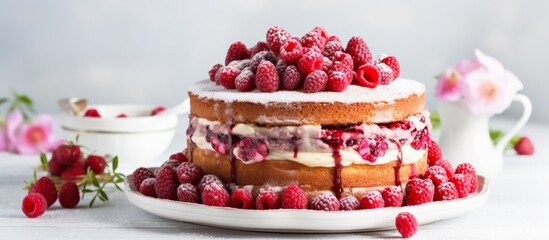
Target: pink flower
[
  {"x": 30, "y": 138},
  {"x": 449, "y": 85},
  {"x": 3, "y": 140}
]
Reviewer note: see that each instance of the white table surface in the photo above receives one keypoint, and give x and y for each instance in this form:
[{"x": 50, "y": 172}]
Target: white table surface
[{"x": 518, "y": 207}]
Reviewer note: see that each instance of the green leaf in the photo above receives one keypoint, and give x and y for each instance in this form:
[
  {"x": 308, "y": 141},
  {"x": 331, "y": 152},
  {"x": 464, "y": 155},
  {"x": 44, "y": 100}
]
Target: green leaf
[
  {"x": 114, "y": 163},
  {"x": 3, "y": 100},
  {"x": 103, "y": 196},
  {"x": 118, "y": 187},
  {"x": 87, "y": 191},
  {"x": 27, "y": 101},
  {"x": 435, "y": 120},
  {"x": 92, "y": 201},
  {"x": 77, "y": 138},
  {"x": 44, "y": 161}
]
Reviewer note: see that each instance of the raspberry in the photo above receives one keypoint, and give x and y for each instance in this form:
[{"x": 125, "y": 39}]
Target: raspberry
[
  {"x": 55, "y": 168},
  {"x": 371, "y": 200},
  {"x": 357, "y": 48},
  {"x": 434, "y": 154},
  {"x": 349, "y": 203},
  {"x": 259, "y": 47},
  {"x": 331, "y": 48},
  {"x": 337, "y": 82},
  {"x": 34, "y": 205},
  {"x": 371, "y": 149},
  {"x": 467, "y": 168},
  {"x": 292, "y": 79},
  {"x": 166, "y": 183},
  {"x": 309, "y": 62},
  {"x": 220, "y": 143},
  {"x": 240, "y": 64},
  {"x": 321, "y": 32},
  {"x": 73, "y": 172},
  {"x": 214, "y": 70},
  {"x": 66, "y": 154},
  {"x": 293, "y": 197},
  {"x": 325, "y": 201},
  {"x": 326, "y": 65},
  {"x": 227, "y": 76},
  {"x": 392, "y": 196},
  {"x": 291, "y": 51},
  {"x": 406, "y": 224},
  {"x": 180, "y": 156},
  {"x": 447, "y": 166},
  {"x": 245, "y": 81},
  {"x": 267, "y": 200},
  {"x": 237, "y": 51},
  {"x": 189, "y": 173},
  {"x": 252, "y": 150},
  {"x": 524, "y": 146},
  {"x": 147, "y": 187},
  {"x": 242, "y": 198},
  {"x": 281, "y": 67},
  {"x": 260, "y": 57},
  {"x": 386, "y": 74},
  {"x": 96, "y": 163},
  {"x": 421, "y": 192},
  {"x": 69, "y": 195},
  {"x": 276, "y": 37},
  {"x": 437, "y": 174},
  {"x": 46, "y": 187},
  {"x": 215, "y": 195},
  {"x": 266, "y": 78},
  {"x": 187, "y": 192},
  {"x": 421, "y": 140},
  {"x": 473, "y": 182},
  {"x": 315, "y": 82},
  {"x": 209, "y": 180},
  {"x": 333, "y": 38},
  {"x": 92, "y": 112},
  {"x": 171, "y": 163},
  {"x": 446, "y": 191},
  {"x": 368, "y": 76},
  {"x": 313, "y": 39},
  {"x": 157, "y": 110},
  {"x": 392, "y": 62},
  {"x": 461, "y": 183},
  {"x": 141, "y": 174},
  {"x": 122, "y": 115}
]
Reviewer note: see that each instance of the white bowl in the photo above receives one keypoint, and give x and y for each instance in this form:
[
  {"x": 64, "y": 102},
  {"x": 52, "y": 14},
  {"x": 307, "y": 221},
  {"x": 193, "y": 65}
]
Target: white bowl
[{"x": 136, "y": 139}]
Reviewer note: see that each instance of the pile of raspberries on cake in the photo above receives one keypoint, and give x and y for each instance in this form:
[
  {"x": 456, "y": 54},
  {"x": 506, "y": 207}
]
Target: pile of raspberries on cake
[{"x": 313, "y": 63}]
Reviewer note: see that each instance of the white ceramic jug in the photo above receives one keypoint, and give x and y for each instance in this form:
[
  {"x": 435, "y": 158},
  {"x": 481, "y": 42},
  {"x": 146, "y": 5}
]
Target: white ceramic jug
[{"x": 465, "y": 137}]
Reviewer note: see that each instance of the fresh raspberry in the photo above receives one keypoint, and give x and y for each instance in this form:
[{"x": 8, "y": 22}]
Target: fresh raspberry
[
  {"x": 333, "y": 38},
  {"x": 437, "y": 174},
  {"x": 276, "y": 37},
  {"x": 326, "y": 65},
  {"x": 331, "y": 48},
  {"x": 34, "y": 205},
  {"x": 446, "y": 191},
  {"x": 260, "y": 57},
  {"x": 69, "y": 195},
  {"x": 245, "y": 81},
  {"x": 337, "y": 82},
  {"x": 447, "y": 166},
  {"x": 227, "y": 76},
  {"x": 406, "y": 224},
  {"x": 55, "y": 168},
  {"x": 392, "y": 196},
  {"x": 187, "y": 192},
  {"x": 66, "y": 154},
  {"x": 214, "y": 70},
  {"x": 46, "y": 187},
  {"x": 141, "y": 174},
  {"x": 220, "y": 143},
  {"x": 292, "y": 79},
  {"x": 368, "y": 76},
  {"x": 421, "y": 140},
  {"x": 189, "y": 173},
  {"x": 291, "y": 51},
  {"x": 242, "y": 198},
  {"x": 157, "y": 110},
  {"x": 259, "y": 47},
  {"x": 92, "y": 112},
  {"x": 473, "y": 182},
  {"x": 267, "y": 200},
  {"x": 73, "y": 172},
  {"x": 392, "y": 62},
  {"x": 371, "y": 200},
  {"x": 309, "y": 62},
  {"x": 147, "y": 187},
  {"x": 293, "y": 197},
  {"x": 215, "y": 195},
  {"x": 321, "y": 32},
  {"x": 313, "y": 39},
  {"x": 357, "y": 48},
  {"x": 386, "y": 74},
  {"x": 171, "y": 163},
  {"x": 240, "y": 64},
  {"x": 180, "y": 156},
  {"x": 371, "y": 149},
  {"x": 209, "y": 180},
  {"x": 237, "y": 51},
  {"x": 281, "y": 67},
  {"x": 342, "y": 62},
  {"x": 434, "y": 154},
  {"x": 349, "y": 203},
  {"x": 122, "y": 115},
  {"x": 524, "y": 146},
  {"x": 315, "y": 81},
  {"x": 96, "y": 163},
  {"x": 252, "y": 150},
  {"x": 467, "y": 168},
  {"x": 166, "y": 183},
  {"x": 325, "y": 201},
  {"x": 461, "y": 183},
  {"x": 266, "y": 78},
  {"x": 421, "y": 192}
]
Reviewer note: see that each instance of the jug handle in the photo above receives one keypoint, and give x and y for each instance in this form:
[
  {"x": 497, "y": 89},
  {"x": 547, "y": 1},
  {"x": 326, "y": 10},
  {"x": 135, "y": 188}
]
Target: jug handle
[{"x": 527, "y": 105}]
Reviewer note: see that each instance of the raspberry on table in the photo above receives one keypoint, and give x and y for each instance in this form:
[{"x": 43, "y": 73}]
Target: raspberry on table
[
  {"x": 209, "y": 180},
  {"x": 242, "y": 198},
  {"x": 141, "y": 174},
  {"x": 96, "y": 163},
  {"x": 419, "y": 191},
  {"x": 406, "y": 224},
  {"x": 524, "y": 146},
  {"x": 266, "y": 78},
  {"x": 437, "y": 174},
  {"x": 447, "y": 166},
  {"x": 266, "y": 200},
  {"x": 69, "y": 195},
  {"x": 368, "y": 76},
  {"x": 166, "y": 183},
  {"x": 245, "y": 81},
  {"x": 214, "y": 70},
  {"x": 434, "y": 153},
  {"x": 187, "y": 192},
  {"x": 180, "y": 156},
  {"x": 371, "y": 200},
  {"x": 293, "y": 197},
  {"x": 359, "y": 51},
  {"x": 325, "y": 201},
  {"x": 73, "y": 172},
  {"x": 147, "y": 187},
  {"x": 66, "y": 154},
  {"x": 461, "y": 183},
  {"x": 46, "y": 187},
  {"x": 34, "y": 205},
  {"x": 189, "y": 173},
  {"x": 392, "y": 196},
  {"x": 276, "y": 37},
  {"x": 392, "y": 62},
  {"x": 349, "y": 203},
  {"x": 315, "y": 81},
  {"x": 446, "y": 191},
  {"x": 215, "y": 195},
  {"x": 237, "y": 51},
  {"x": 55, "y": 168},
  {"x": 292, "y": 78},
  {"x": 291, "y": 51},
  {"x": 309, "y": 62},
  {"x": 227, "y": 77}
]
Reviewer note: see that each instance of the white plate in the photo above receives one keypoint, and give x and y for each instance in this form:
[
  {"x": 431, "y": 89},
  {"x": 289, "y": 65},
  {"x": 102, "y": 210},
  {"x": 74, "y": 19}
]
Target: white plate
[{"x": 304, "y": 221}]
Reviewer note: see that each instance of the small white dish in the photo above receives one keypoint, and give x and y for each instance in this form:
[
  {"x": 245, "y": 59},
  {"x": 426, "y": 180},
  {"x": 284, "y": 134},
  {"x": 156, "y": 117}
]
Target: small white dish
[{"x": 304, "y": 221}]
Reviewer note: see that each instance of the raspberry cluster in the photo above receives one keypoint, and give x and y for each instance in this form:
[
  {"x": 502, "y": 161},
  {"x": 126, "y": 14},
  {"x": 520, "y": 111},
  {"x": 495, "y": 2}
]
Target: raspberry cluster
[
  {"x": 315, "y": 62},
  {"x": 69, "y": 162},
  {"x": 42, "y": 194}
]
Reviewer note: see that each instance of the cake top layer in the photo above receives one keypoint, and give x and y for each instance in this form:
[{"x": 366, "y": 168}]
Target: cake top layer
[{"x": 402, "y": 88}]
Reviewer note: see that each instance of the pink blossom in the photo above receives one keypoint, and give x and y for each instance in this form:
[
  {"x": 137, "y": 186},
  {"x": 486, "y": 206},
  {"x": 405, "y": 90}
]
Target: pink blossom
[
  {"x": 449, "y": 85},
  {"x": 3, "y": 139},
  {"x": 30, "y": 138}
]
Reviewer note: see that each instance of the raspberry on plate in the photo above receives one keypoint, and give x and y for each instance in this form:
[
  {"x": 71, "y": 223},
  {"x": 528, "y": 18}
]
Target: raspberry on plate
[
  {"x": 434, "y": 153},
  {"x": 325, "y": 201},
  {"x": 419, "y": 191},
  {"x": 180, "y": 156},
  {"x": 73, "y": 172},
  {"x": 392, "y": 196},
  {"x": 187, "y": 192},
  {"x": 349, "y": 203},
  {"x": 69, "y": 195},
  {"x": 215, "y": 195},
  {"x": 359, "y": 51},
  {"x": 447, "y": 166},
  {"x": 55, "y": 168},
  {"x": 267, "y": 199},
  {"x": 266, "y": 78},
  {"x": 34, "y": 205},
  {"x": 157, "y": 110},
  {"x": 189, "y": 173},
  {"x": 92, "y": 112},
  {"x": 406, "y": 224},
  {"x": 524, "y": 146},
  {"x": 46, "y": 187},
  {"x": 446, "y": 191},
  {"x": 141, "y": 174},
  {"x": 371, "y": 200},
  {"x": 468, "y": 169},
  {"x": 461, "y": 183},
  {"x": 237, "y": 51},
  {"x": 437, "y": 174},
  {"x": 171, "y": 163},
  {"x": 242, "y": 198},
  {"x": 209, "y": 180},
  {"x": 293, "y": 197},
  {"x": 166, "y": 183},
  {"x": 147, "y": 187},
  {"x": 66, "y": 154},
  {"x": 315, "y": 82}
]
